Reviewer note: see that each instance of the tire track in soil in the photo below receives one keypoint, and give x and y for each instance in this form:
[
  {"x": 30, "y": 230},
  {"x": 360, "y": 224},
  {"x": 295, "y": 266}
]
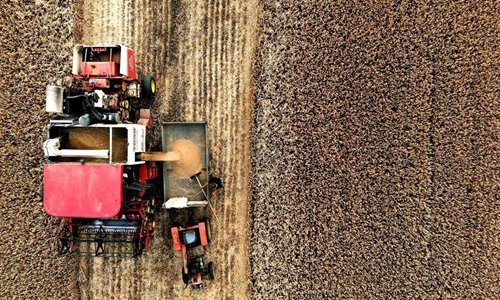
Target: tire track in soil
[
  {"x": 232, "y": 166},
  {"x": 201, "y": 54}
]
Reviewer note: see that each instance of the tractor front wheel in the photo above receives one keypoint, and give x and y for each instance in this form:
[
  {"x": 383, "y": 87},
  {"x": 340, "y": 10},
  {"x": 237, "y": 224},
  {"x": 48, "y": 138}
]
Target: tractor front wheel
[
  {"x": 149, "y": 86},
  {"x": 211, "y": 271},
  {"x": 209, "y": 231},
  {"x": 185, "y": 277}
]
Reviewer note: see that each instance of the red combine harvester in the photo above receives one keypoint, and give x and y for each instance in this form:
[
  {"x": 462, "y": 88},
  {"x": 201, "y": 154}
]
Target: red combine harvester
[
  {"x": 95, "y": 178},
  {"x": 190, "y": 240},
  {"x": 101, "y": 177}
]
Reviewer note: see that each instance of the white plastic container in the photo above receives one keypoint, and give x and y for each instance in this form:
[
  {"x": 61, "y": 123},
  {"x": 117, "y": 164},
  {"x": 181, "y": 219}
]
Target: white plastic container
[{"x": 54, "y": 99}]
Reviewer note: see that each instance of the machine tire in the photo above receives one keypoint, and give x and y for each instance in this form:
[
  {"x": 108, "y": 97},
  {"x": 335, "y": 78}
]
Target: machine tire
[
  {"x": 149, "y": 86},
  {"x": 185, "y": 277},
  {"x": 209, "y": 230},
  {"x": 211, "y": 271},
  {"x": 139, "y": 245},
  {"x": 62, "y": 247}
]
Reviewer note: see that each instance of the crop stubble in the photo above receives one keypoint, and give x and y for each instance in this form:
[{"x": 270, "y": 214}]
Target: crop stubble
[
  {"x": 201, "y": 55},
  {"x": 375, "y": 148}
]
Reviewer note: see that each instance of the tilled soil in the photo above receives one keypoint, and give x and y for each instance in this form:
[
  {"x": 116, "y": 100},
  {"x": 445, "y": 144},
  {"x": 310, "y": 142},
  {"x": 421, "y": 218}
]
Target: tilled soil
[{"x": 375, "y": 151}]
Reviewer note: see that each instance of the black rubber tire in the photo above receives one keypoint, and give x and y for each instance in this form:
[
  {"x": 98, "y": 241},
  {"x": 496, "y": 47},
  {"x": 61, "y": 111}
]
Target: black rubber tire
[
  {"x": 62, "y": 247},
  {"x": 208, "y": 230},
  {"x": 149, "y": 86},
  {"x": 139, "y": 245},
  {"x": 211, "y": 271},
  {"x": 185, "y": 277},
  {"x": 137, "y": 248}
]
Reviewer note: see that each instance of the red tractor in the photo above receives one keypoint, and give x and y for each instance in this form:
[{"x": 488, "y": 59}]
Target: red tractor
[{"x": 191, "y": 240}]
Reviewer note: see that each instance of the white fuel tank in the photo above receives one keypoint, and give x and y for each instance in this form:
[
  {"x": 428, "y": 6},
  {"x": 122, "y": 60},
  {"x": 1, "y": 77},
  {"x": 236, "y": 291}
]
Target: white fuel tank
[{"x": 54, "y": 99}]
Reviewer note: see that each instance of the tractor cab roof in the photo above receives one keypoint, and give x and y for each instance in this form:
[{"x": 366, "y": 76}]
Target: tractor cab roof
[{"x": 115, "y": 61}]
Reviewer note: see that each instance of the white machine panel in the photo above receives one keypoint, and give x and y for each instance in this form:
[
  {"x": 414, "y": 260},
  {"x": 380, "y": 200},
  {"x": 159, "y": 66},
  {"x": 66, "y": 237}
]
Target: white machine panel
[{"x": 136, "y": 143}]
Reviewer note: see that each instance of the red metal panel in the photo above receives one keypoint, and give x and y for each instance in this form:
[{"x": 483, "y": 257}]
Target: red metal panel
[
  {"x": 100, "y": 69},
  {"x": 175, "y": 238},
  {"x": 203, "y": 234},
  {"x": 101, "y": 83},
  {"x": 82, "y": 191},
  {"x": 132, "y": 73}
]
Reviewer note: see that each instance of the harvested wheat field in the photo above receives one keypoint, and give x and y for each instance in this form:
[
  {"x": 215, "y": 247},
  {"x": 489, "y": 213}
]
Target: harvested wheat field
[
  {"x": 201, "y": 53},
  {"x": 358, "y": 143}
]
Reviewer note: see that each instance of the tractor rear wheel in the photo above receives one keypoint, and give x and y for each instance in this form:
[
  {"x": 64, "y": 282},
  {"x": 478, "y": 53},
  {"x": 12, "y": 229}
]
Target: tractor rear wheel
[
  {"x": 185, "y": 277},
  {"x": 211, "y": 271},
  {"x": 139, "y": 244},
  {"x": 208, "y": 230},
  {"x": 149, "y": 86}
]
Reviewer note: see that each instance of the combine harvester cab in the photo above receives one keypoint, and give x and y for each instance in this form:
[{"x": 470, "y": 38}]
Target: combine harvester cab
[
  {"x": 108, "y": 198},
  {"x": 97, "y": 178}
]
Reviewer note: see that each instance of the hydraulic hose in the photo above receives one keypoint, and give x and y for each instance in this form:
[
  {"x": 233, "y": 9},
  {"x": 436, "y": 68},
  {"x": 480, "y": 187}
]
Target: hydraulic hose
[{"x": 75, "y": 96}]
